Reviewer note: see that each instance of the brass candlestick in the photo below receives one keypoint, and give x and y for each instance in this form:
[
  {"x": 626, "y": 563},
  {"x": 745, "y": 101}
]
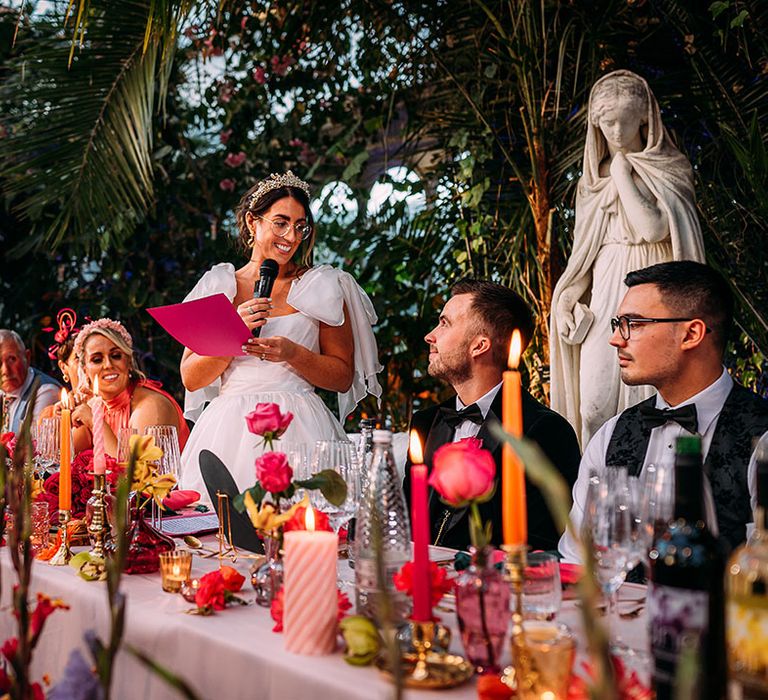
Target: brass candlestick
[
  {"x": 98, "y": 528},
  {"x": 429, "y": 666},
  {"x": 63, "y": 553},
  {"x": 514, "y": 574}
]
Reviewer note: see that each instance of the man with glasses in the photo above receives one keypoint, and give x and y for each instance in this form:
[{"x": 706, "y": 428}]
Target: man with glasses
[{"x": 671, "y": 332}]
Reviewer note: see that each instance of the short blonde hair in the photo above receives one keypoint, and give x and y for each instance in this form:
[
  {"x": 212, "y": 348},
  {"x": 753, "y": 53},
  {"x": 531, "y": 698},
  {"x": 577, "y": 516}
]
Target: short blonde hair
[{"x": 113, "y": 331}]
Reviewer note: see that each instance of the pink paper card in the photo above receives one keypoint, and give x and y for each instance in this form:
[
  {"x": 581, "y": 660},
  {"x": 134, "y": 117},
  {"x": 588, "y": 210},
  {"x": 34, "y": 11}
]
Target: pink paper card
[{"x": 207, "y": 326}]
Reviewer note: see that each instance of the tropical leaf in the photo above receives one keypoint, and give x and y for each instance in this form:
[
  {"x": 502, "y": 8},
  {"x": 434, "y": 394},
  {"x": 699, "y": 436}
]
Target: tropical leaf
[{"x": 80, "y": 151}]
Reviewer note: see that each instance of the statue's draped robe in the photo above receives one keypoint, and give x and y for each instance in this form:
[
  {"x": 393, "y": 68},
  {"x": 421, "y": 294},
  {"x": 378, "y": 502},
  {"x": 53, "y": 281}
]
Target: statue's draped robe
[{"x": 585, "y": 383}]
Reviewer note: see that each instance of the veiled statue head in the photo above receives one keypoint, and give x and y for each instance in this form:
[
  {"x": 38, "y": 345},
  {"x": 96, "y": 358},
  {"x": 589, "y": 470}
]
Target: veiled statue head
[{"x": 618, "y": 106}]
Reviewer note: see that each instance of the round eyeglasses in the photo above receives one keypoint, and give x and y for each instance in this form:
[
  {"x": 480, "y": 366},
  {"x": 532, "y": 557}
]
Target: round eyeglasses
[
  {"x": 280, "y": 228},
  {"x": 625, "y": 323}
]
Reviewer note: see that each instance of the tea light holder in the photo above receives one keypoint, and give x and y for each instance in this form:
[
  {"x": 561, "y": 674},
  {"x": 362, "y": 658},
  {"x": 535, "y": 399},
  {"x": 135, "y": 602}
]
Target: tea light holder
[
  {"x": 189, "y": 589},
  {"x": 175, "y": 568}
]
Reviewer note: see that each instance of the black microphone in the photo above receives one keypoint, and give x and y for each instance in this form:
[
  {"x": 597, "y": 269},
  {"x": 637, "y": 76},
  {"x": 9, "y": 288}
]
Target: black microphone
[{"x": 267, "y": 276}]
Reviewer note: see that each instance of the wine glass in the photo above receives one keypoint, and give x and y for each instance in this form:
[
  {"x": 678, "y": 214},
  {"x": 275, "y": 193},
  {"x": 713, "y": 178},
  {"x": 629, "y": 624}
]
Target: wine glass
[
  {"x": 341, "y": 458},
  {"x": 167, "y": 440},
  {"x": 299, "y": 456},
  {"x": 608, "y": 523},
  {"x": 124, "y": 435},
  {"x": 48, "y": 441}
]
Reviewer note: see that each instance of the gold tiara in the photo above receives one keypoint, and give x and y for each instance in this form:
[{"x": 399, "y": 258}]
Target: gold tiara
[{"x": 276, "y": 181}]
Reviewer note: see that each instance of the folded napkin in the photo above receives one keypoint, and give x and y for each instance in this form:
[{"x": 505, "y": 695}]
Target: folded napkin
[{"x": 176, "y": 500}]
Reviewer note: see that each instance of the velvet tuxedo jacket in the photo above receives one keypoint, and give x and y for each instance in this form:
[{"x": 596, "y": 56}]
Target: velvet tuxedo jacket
[{"x": 556, "y": 437}]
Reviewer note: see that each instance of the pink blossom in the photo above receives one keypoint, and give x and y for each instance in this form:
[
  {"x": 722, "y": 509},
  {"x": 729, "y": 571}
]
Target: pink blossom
[
  {"x": 463, "y": 472},
  {"x": 273, "y": 471},
  {"x": 225, "y": 92},
  {"x": 235, "y": 160},
  {"x": 224, "y": 136},
  {"x": 243, "y": 22},
  {"x": 296, "y": 143},
  {"x": 259, "y": 75},
  {"x": 227, "y": 185},
  {"x": 267, "y": 420}
]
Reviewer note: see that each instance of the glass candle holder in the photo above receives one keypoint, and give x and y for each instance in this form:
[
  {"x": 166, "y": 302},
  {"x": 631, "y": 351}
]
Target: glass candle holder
[
  {"x": 189, "y": 589},
  {"x": 543, "y": 656},
  {"x": 175, "y": 568}
]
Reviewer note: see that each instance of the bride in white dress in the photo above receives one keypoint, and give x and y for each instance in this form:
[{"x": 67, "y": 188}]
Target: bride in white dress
[{"x": 315, "y": 333}]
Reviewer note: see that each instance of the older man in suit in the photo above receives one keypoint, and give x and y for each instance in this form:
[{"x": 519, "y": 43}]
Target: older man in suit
[{"x": 468, "y": 349}]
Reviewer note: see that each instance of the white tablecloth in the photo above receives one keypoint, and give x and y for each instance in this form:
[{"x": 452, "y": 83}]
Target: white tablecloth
[{"x": 230, "y": 655}]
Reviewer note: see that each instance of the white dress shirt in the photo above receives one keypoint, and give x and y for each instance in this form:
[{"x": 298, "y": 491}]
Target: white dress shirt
[
  {"x": 661, "y": 450},
  {"x": 467, "y": 428}
]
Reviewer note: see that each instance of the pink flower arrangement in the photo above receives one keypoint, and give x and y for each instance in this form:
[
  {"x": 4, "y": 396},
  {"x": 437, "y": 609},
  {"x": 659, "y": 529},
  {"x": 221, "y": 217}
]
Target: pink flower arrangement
[
  {"x": 268, "y": 421},
  {"x": 463, "y": 472},
  {"x": 273, "y": 472},
  {"x": 227, "y": 185},
  {"x": 235, "y": 160}
]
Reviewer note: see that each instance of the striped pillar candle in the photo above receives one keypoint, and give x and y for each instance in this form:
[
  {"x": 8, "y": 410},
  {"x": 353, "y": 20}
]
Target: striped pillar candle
[{"x": 310, "y": 603}]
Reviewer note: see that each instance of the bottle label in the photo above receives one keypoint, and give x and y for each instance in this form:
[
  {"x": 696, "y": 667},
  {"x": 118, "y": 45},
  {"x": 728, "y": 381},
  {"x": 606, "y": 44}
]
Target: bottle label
[
  {"x": 679, "y": 619},
  {"x": 748, "y": 634}
]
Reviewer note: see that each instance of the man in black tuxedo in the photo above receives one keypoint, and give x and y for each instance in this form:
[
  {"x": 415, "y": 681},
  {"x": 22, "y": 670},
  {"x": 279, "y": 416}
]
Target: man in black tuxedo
[{"x": 469, "y": 349}]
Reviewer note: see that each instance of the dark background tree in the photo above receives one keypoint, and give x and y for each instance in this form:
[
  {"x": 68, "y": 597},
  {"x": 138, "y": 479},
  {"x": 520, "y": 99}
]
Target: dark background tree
[{"x": 120, "y": 173}]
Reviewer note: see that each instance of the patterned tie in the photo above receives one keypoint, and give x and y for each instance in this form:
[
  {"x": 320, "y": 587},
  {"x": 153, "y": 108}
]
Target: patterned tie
[
  {"x": 685, "y": 417},
  {"x": 455, "y": 418}
]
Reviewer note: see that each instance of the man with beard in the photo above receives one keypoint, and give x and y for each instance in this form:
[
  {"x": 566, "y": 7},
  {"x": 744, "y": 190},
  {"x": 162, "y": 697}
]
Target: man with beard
[{"x": 468, "y": 349}]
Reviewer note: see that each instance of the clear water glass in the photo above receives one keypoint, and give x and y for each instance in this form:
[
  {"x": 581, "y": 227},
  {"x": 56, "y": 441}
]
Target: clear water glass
[
  {"x": 542, "y": 591},
  {"x": 299, "y": 456},
  {"x": 124, "y": 444}
]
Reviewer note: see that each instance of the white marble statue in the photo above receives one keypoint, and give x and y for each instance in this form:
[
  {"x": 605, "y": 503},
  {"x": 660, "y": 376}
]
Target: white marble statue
[{"x": 634, "y": 208}]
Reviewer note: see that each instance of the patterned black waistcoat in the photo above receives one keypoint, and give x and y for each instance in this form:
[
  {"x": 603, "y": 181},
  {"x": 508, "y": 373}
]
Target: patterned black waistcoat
[{"x": 743, "y": 418}]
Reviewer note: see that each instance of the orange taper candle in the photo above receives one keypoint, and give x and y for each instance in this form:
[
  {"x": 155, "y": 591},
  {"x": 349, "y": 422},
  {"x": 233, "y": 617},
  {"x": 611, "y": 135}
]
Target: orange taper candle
[
  {"x": 65, "y": 458},
  {"x": 514, "y": 514}
]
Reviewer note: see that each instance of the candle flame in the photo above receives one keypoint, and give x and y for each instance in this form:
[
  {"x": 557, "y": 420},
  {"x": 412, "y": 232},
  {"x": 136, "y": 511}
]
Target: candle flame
[
  {"x": 417, "y": 456},
  {"x": 64, "y": 398},
  {"x": 95, "y": 385},
  {"x": 309, "y": 518},
  {"x": 515, "y": 349}
]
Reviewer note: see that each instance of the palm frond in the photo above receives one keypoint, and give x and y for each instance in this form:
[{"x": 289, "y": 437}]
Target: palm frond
[{"x": 81, "y": 149}]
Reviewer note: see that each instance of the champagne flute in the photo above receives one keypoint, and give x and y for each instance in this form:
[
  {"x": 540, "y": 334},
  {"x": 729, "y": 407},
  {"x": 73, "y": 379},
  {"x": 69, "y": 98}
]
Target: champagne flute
[{"x": 167, "y": 440}]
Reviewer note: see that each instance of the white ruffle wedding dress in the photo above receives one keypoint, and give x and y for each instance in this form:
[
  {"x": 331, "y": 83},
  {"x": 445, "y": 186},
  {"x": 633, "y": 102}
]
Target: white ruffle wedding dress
[{"x": 319, "y": 295}]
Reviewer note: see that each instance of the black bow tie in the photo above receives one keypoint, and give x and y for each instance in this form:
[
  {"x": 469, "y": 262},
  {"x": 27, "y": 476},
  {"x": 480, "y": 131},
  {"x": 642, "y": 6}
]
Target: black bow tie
[
  {"x": 455, "y": 418},
  {"x": 685, "y": 417}
]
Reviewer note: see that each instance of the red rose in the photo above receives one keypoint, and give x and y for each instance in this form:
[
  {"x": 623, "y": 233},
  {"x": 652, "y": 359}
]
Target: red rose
[
  {"x": 235, "y": 160},
  {"x": 276, "y": 609},
  {"x": 9, "y": 648},
  {"x": 463, "y": 471},
  {"x": 8, "y": 440},
  {"x": 297, "y": 521},
  {"x": 274, "y": 472},
  {"x": 440, "y": 584},
  {"x": 267, "y": 420},
  {"x": 211, "y": 593},
  {"x": 233, "y": 579}
]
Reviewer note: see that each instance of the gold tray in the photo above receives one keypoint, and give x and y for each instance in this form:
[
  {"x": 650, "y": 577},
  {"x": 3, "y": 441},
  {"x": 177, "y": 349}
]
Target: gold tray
[{"x": 442, "y": 670}]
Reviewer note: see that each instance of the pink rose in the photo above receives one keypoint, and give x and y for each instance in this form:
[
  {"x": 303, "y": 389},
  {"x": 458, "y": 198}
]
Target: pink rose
[
  {"x": 235, "y": 160},
  {"x": 227, "y": 184},
  {"x": 274, "y": 472},
  {"x": 463, "y": 471},
  {"x": 267, "y": 420}
]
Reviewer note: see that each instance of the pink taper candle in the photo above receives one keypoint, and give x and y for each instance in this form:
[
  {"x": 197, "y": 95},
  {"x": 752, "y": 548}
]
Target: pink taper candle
[
  {"x": 310, "y": 605},
  {"x": 422, "y": 603},
  {"x": 97, "y": 408}
]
